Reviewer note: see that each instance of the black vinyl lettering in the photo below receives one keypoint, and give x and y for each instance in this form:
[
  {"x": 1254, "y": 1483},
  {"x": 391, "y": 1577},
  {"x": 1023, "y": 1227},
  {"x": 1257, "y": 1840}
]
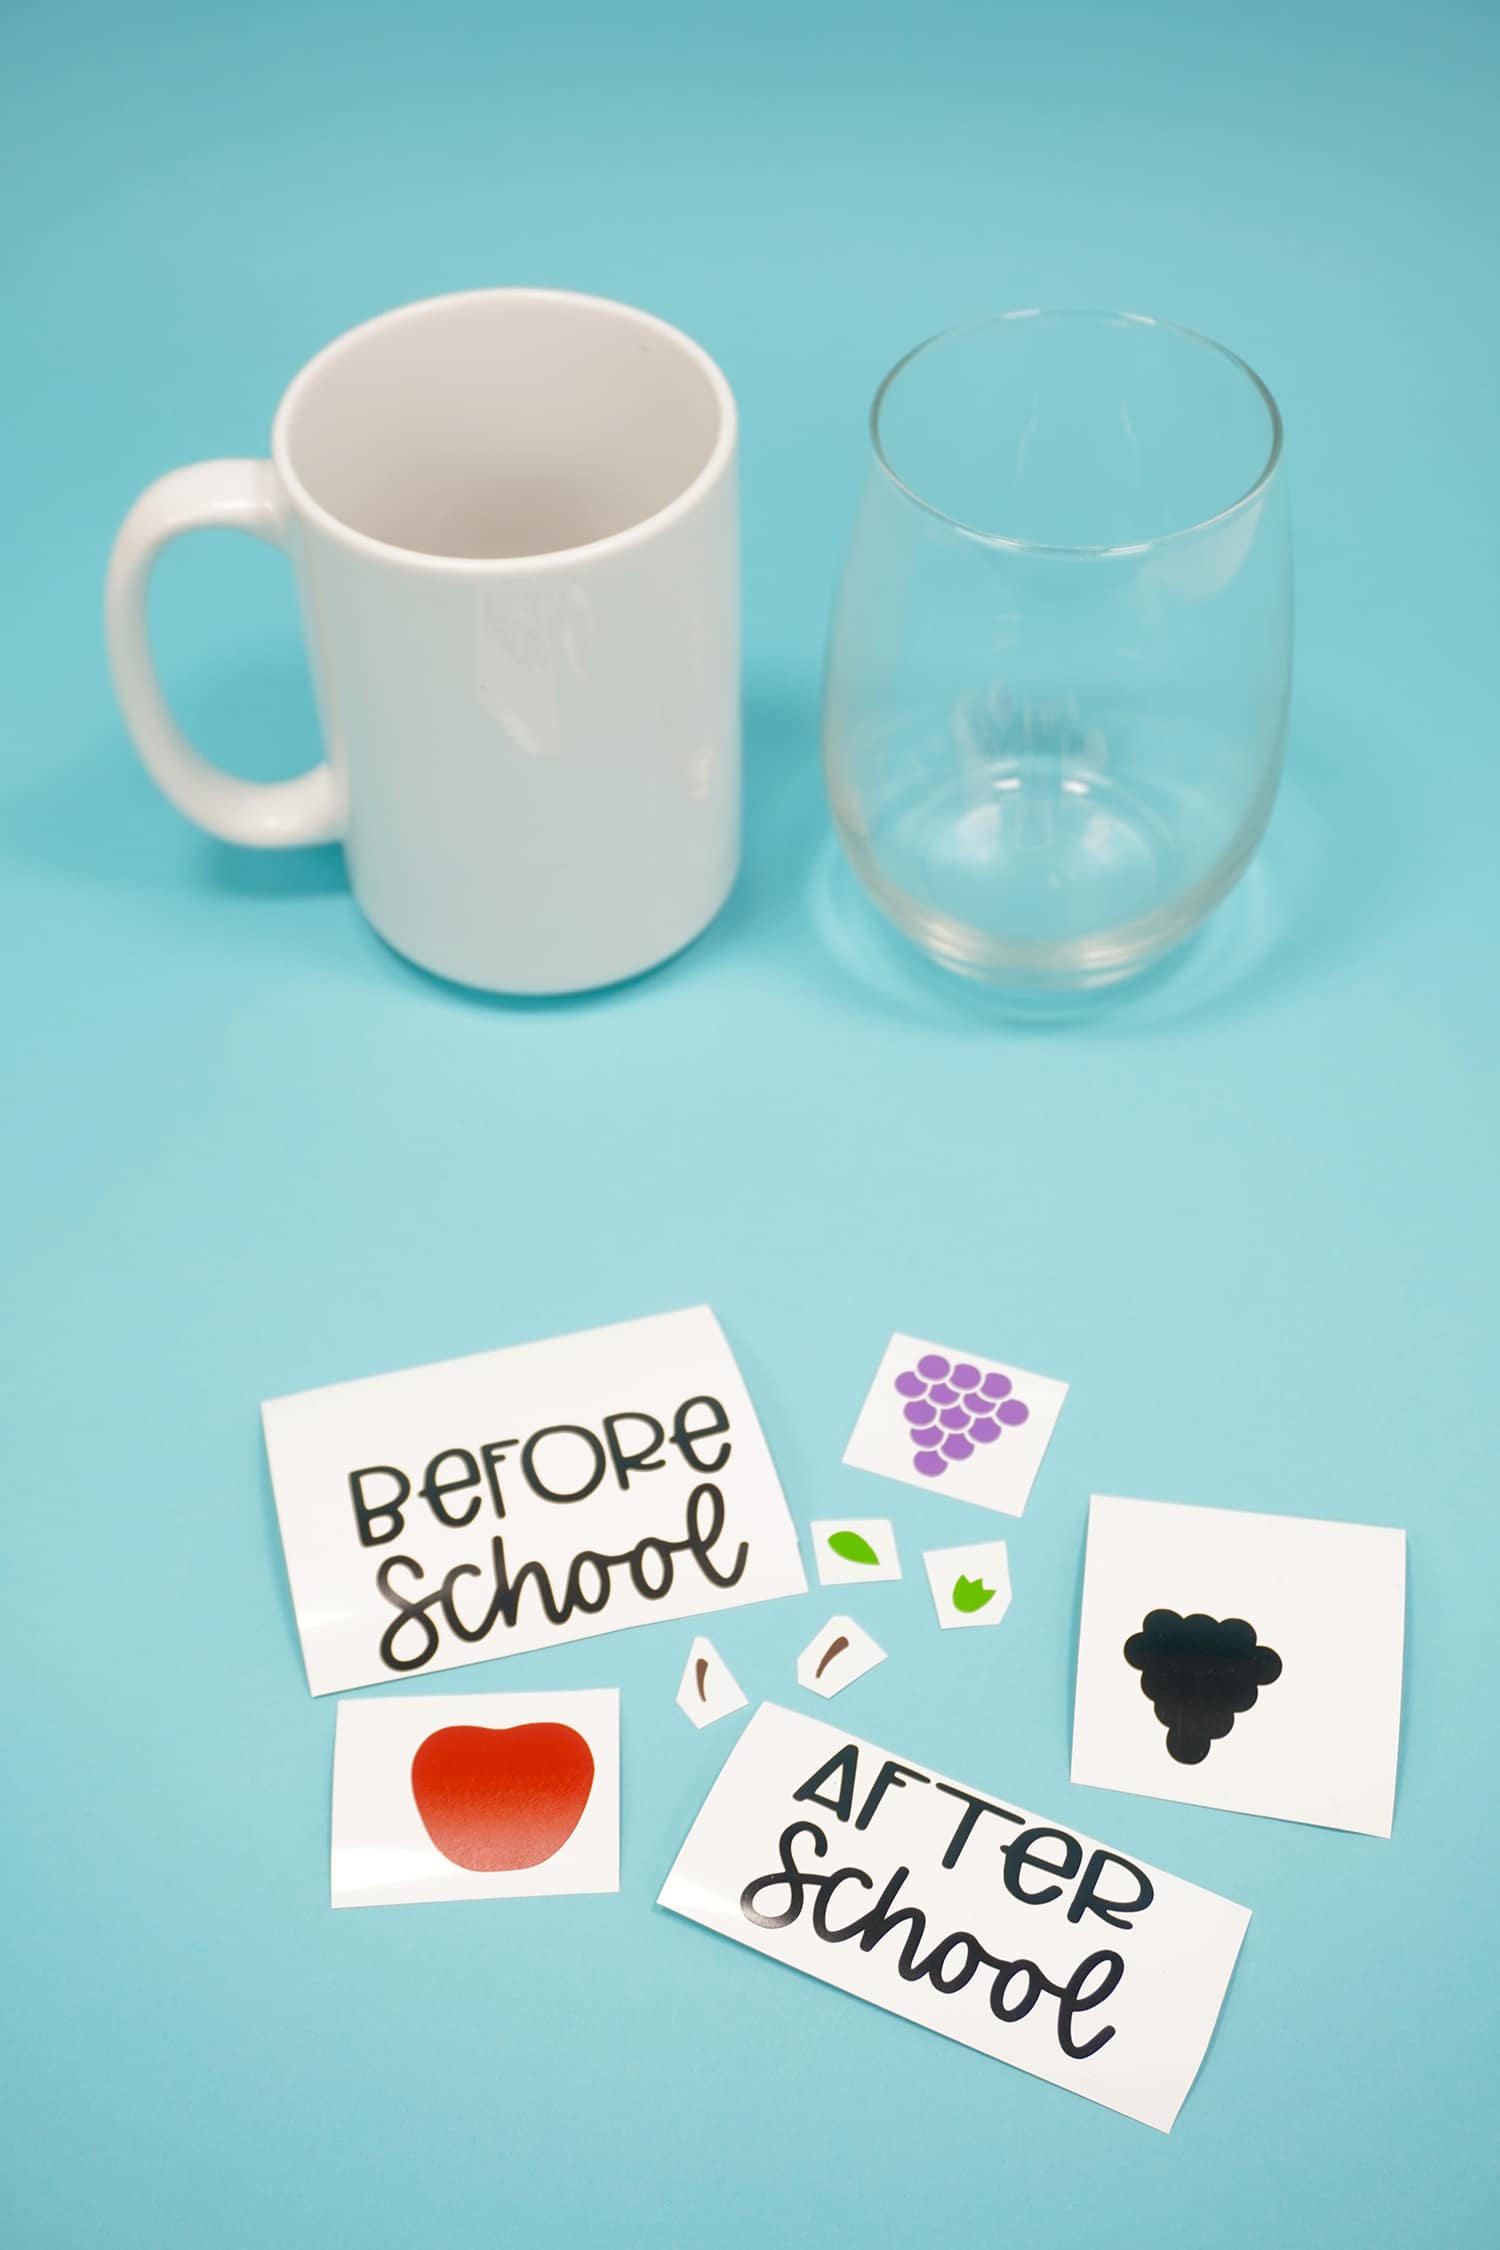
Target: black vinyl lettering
[
  {"x": 1021, "y": 1853},
  {"x": 788, "y": 1876},
  {"x": 590, "y": 1604},
  {"x": 943, "y": 1979},
  {"x": 965, "y": 1829},
  {"x": 650, "y": 1567},
  {"x": 450, "y": 1607},
  {"x": 366, "y": 1515},
  {"x": 775, "y": 1901},
  {"x": 699, "y": 1540},
  {"x": 1075, "y": 1997},
  {"x": 635, "y": 1563},
  {"x": 490, "y": 1456},
  {"x": 532, "y": 1474},
  {"x": 436, "y": 1487},
  {"x": 1034, "y": 1984},
  {"x": 625, "y": 1464},
  {"x": 1114, "y": 1911},
  {"x": 890, "y": 1776},
  {"x": 410, "y": 1613},
  {"x": 820, "y": 1905},
  {"x": 885, "y": 1915},
  {"x": 844, "y": 1763},
  {"x": 686, "y": 1438}
]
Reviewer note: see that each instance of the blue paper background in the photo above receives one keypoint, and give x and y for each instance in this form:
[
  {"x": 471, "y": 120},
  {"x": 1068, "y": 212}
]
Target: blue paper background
[{"x": 1250, "y": 1214}]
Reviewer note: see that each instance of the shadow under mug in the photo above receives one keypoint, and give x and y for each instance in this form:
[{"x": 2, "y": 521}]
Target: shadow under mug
[{"x": 512, "y": 516}]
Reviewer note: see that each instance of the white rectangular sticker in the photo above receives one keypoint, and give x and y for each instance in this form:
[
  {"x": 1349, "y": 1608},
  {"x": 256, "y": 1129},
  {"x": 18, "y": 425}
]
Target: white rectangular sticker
[
  {"x": 854, "y": 1550},
  {"x": 953, "y": 1422},
  {"x": 708, "y": 1689},
  {"x": 476, "y": 1796},
  {"x": 838, "y": 1656},
  {"x": 970, "y": 1585},
  {"x": 1246, "y": 1661},
  {"x": 1011, "y": 1934},
  {"x": 543, "y": 1493}
]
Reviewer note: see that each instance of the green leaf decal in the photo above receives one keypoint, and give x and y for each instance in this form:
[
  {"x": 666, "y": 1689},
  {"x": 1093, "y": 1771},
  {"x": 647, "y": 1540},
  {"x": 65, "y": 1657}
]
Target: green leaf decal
[
  {"x": 852, "y": 1547},
  {"x": 970, "y": 1594}
]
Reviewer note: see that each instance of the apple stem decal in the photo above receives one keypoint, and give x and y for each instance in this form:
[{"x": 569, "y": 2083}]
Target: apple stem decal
[
  {"x": 709, "y": 1690},
  {"x": 501, "y": 1798}
]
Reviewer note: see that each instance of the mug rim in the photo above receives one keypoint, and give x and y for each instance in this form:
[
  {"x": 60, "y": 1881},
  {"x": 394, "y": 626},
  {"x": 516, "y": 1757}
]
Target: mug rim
[
  {"x": 1008, "y": 543},
  {"x": 615, "y": 542}
]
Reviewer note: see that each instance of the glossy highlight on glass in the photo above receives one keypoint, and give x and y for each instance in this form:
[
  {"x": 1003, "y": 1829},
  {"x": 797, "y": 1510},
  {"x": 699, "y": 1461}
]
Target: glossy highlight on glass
[{"x": 1059, "y": 672}]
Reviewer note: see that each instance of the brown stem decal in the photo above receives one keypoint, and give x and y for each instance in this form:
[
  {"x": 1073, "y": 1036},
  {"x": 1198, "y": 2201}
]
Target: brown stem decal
[
  {"x": 834, "y": 1648},
  {"x": 702, "y": 1670}
]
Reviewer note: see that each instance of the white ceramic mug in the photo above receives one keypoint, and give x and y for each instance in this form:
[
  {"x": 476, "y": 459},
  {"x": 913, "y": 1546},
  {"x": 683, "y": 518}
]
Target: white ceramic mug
[{"x": 513, "y": 520}]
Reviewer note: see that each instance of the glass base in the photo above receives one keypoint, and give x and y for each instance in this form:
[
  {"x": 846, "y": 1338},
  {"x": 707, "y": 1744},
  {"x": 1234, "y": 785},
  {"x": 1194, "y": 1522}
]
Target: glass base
[{"x": 1091, "y": 961}]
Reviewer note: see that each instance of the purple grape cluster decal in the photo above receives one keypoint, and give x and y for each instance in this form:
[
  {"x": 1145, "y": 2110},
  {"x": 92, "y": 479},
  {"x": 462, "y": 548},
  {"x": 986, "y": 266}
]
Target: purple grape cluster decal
[{"x": 950, "y": 1407}]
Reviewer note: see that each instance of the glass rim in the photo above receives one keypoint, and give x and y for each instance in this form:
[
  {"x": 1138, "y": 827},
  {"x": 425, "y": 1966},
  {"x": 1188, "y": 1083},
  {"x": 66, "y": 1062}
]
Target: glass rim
[{"x": 1006, "y": 541}]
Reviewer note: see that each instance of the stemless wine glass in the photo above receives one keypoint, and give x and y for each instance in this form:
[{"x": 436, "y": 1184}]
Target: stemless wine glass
[{"x": 1060, "y": 664}]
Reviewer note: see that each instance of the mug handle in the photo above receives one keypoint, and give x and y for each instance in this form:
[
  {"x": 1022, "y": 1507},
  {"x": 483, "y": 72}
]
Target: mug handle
[{"x": 237, "y": 496}]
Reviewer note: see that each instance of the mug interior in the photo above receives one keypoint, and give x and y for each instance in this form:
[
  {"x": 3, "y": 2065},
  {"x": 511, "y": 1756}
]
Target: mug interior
[{"x": 503, "y": 423}]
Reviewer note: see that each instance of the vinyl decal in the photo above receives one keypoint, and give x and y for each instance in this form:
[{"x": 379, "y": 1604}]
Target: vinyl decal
[
  {"x": 854, "y": 1550},
  {"x": 447, "y": 1797},
  {"x": 970, "y": 1585},
  {"x": 1287, "y": 1630},
  {"x": 842, "y": 1653},
  {"x": 540, "y": 1493},
  {"x": 1200, "y": 1674},
  {"x": 952, "y": 1407},
  {"x": 709, "y": 1690},
  {"x": 494, "y": 1798},
  {"x": 952, "y": 1907},
  {"x": 953, "y": 1421}
]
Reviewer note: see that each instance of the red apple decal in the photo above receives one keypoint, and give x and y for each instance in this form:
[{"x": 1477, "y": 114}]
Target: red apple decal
[{"x": 499, "y": 1798}]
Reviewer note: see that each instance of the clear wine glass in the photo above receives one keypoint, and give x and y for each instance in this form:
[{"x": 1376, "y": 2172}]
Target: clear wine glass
[{"x": 1060, "y": 664}]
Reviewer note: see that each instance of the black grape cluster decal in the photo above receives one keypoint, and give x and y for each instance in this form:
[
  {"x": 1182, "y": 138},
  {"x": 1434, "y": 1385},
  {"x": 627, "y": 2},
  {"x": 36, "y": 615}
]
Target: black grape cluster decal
[
  {"x": 950, "y": 1408},
  {"x": 1200, "y": 1673}
]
